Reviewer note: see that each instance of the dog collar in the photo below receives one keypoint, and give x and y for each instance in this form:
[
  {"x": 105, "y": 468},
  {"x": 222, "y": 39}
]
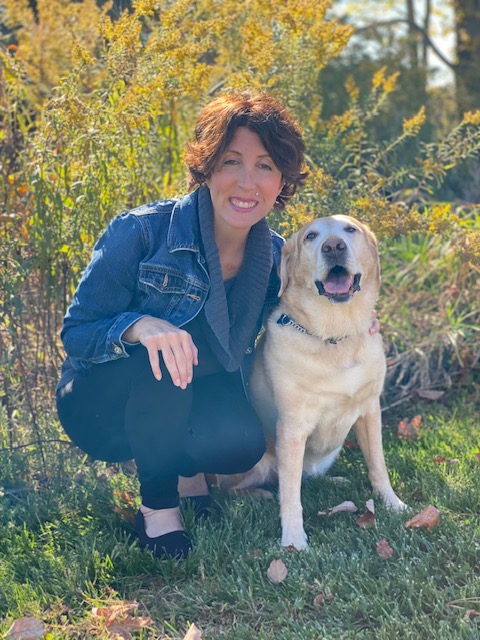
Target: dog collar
[{"x": 285, "y": 320}]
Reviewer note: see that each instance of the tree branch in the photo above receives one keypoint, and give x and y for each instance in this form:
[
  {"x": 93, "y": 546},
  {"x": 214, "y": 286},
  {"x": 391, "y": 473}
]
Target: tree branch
[{"x": 427, "y": 39}]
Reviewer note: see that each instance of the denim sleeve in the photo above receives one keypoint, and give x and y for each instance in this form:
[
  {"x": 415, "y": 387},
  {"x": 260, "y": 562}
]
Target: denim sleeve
[{"x": 98, "y": 314}]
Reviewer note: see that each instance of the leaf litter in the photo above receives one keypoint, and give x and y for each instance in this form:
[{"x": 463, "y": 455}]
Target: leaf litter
[
  {"x": 277, "y": 571},
  {"x": 428, "y": 518},
  {"x": 367, "y": 520}
]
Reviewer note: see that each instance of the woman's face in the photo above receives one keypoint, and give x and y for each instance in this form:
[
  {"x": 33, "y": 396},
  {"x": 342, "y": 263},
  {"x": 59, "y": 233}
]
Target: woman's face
[{"x": 245, "y": 183}]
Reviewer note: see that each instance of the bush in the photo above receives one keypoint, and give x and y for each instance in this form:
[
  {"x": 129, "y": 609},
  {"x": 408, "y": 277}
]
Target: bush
[{"x": 96, "y": 114}]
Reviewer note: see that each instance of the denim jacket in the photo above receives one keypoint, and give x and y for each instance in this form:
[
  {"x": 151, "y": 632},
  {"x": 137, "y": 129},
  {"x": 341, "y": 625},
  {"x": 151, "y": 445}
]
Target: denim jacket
[{"x": 147, "y": 262}]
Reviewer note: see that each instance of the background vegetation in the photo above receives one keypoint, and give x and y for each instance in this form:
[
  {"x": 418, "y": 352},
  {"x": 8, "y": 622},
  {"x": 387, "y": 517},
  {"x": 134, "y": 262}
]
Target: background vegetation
[{"x": 96, "y": 103}]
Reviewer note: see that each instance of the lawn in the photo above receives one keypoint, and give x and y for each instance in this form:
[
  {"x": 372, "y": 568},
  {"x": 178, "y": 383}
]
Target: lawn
[{"x": 69, "y": 559}]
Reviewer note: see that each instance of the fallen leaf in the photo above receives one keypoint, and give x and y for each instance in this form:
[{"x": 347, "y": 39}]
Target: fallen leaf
[
  {"x": 438, "y": 459},
  {"x": 350, "y": 444},
  {"x": 126, "y": 514},
  {"x": 471, "y": 614},
  {"x": 384, "y": 550},
  {"x": 26, "y": 629},
  {"x": 119, "y": 619},
  {"x": 193, "y": 633},
  {"x": 453, "y": 461},
  {"x": 477, "y": 455},
  {"x": 367, "y": 519},
  {"x": 430, "y": 394},
  {"x": 125, "y": 497},
  {"x": 321, "y": 599},
  {"x": 409, "y": 429},
  {"x": 277, "y": 571},
  {"x": 347, "y": 506},
  {"x": 428, "y": 518}
]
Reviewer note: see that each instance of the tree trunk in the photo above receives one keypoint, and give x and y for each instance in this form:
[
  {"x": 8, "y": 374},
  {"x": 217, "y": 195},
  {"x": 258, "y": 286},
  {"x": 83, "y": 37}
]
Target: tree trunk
[{"x": 467, "y": 71}]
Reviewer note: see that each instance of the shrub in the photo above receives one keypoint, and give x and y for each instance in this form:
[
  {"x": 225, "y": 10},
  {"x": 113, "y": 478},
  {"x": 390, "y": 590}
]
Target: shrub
[{"x": 96, "y": 114}]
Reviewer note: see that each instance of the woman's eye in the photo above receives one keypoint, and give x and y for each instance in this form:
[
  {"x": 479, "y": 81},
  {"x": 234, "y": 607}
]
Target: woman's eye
[
  {"x": 311, "y": 235},
  {"x": 265, "y": 166},
  {"x": 230, "y": 161}
]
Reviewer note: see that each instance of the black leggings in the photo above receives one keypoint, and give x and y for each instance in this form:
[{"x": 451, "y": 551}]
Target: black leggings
[{"x": 117, "y": 411}]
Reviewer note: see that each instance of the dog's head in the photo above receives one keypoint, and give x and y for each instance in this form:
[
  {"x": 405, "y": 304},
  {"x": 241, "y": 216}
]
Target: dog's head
[{"x": 335, "y": 255}]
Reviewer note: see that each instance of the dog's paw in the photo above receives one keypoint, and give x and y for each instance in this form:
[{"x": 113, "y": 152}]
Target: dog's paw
[
  {"x": 393, "y": 502},
  {"x": 297, "y": 539}
]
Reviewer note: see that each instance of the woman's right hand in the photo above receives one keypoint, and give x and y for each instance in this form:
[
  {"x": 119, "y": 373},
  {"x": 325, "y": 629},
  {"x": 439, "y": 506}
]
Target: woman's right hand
[{"x": 178, "y": 349}]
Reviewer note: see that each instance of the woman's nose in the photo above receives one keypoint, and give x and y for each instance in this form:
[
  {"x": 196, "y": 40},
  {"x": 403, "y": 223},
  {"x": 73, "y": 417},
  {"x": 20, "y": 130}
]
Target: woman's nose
[{"x": 246, "y": 180}]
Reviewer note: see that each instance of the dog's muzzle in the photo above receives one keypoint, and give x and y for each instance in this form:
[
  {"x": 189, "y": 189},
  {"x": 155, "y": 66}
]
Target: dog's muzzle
[{"x": 339, "y": 285}]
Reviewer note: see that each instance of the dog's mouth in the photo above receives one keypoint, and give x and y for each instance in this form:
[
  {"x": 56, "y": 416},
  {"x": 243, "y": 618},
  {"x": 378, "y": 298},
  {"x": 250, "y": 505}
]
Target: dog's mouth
[{"x": 339, "y": 285}]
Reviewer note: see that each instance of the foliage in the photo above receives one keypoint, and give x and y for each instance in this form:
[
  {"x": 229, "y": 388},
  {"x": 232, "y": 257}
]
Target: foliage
[{"x": 96, "y": 112}]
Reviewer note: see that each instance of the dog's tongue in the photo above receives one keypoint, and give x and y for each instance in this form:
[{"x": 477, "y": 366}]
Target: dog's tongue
[{"x": 338, "y": 283}]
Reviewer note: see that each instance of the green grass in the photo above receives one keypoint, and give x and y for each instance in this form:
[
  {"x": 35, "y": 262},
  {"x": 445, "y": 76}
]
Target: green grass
[{"x": 63, "y": 550}]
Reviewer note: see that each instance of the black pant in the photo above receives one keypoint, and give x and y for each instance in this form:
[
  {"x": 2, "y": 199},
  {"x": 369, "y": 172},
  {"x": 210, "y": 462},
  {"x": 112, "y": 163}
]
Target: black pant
[{"x": 117, "y": 411}]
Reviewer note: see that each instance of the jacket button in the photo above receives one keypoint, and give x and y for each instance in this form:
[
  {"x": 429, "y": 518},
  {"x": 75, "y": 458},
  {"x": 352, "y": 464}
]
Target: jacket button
[
  {"x": 118, "y": 350},
  {"x": 249, "y": 351}
]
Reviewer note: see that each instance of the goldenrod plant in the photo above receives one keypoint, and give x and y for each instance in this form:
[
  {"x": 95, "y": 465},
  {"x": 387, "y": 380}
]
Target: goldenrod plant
[{"x": 96, "y": 112}]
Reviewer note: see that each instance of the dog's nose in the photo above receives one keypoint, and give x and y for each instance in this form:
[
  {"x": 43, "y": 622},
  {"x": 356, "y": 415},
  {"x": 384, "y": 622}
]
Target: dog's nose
[{"x": 333, "y": 246}]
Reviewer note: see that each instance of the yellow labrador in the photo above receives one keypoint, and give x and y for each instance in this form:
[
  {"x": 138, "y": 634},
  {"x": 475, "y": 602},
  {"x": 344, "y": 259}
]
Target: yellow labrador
[{"x": 318, "y": 371}]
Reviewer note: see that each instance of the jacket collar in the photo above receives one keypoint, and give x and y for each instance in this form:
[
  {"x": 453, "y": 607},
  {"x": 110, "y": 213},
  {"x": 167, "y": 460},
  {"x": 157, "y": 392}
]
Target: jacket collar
[{"x": 184, "y": 230}]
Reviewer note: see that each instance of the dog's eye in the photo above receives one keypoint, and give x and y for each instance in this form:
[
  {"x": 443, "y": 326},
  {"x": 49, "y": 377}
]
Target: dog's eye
[
  {"x": 311, "y": 235},
  {"x": 351, "y": 229}
]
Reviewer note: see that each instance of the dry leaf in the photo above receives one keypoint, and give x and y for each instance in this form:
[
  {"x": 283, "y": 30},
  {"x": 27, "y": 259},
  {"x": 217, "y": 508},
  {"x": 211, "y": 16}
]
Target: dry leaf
[
  {"x": 277, "y": 571},
  {"x": 193, "y": 633},
  {"x": 438, "y": 460},
  {"x": 26, "y": 629},
  {"x": 125, "y": 497},
  {"x": 477, "y": 455},
  {"x": 384, "y": 550},
  {"x": 126, "y": 514},
  {"x": 409, "y": 429},
  {"x": 320, "y": 600},
  {"x": 428, "y": 518},
  {"x": 347, "y": 506},
  {"x": 470, "y": 614},
  {"x": 430, "y": 394},
  {"x": 119, "y": 619},
  {"x": 367, "y": 520}
]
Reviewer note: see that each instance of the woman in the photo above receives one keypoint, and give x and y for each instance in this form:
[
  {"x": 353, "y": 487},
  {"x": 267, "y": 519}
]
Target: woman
[{"x": 162, "y": 326}]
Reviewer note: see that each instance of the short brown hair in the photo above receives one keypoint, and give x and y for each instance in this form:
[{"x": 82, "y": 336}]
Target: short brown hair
[{"x": 261, "y": 113}]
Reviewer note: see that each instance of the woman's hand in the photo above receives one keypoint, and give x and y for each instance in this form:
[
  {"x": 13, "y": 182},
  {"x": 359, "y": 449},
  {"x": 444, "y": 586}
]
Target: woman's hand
[
  {"x": 178, "y": 349},
  {"x": 375, "y": 326}
]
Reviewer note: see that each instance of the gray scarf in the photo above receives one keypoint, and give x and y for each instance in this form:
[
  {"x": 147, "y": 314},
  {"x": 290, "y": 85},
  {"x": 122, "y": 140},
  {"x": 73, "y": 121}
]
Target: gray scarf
[{"x": 231, "y": 323}]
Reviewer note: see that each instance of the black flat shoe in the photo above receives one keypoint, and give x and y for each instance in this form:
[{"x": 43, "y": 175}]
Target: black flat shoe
[
  {"x": 175, "y": 544},
  {"x": 202, "y": 505}
]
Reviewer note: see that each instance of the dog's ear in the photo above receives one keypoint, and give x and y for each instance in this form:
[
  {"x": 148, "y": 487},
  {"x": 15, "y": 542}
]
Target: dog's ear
[{"x": 286, "y": 254}]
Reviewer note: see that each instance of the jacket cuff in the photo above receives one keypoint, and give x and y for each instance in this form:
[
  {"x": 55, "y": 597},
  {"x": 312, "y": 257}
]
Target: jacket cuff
[{"x": 116, "y": 347}]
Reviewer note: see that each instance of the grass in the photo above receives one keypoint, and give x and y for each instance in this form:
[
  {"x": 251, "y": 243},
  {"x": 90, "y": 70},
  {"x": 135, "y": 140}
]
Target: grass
[{"x": 64, "y": 550}]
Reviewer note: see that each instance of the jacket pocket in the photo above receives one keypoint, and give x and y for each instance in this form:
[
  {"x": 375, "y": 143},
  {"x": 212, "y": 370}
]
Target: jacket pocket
[{"x": 171, "y": 294}]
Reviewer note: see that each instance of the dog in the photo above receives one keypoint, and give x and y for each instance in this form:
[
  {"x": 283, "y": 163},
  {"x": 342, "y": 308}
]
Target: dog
[{"x": 317, "y": 370}]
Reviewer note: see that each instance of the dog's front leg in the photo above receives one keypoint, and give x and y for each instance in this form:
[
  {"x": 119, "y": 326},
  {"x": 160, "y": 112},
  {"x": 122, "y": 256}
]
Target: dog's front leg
[
  {"x": 290, "y": 449},
  {"x": 368, "y": 429}
]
